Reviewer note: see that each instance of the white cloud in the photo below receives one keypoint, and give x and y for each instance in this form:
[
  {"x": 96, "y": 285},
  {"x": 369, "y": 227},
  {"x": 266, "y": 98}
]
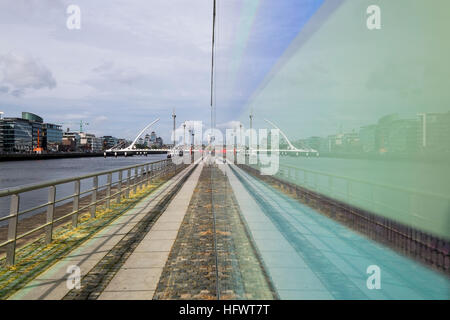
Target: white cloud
[{"x": 21, "y": 72}]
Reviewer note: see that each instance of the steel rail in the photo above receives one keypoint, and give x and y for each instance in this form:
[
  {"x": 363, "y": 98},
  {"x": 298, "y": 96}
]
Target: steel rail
[
  {"x": 143, "y": 175},
  {"x": 21, "y": 189}
]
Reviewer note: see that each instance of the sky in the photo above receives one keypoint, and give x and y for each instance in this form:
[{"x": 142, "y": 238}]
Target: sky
[
  {"x": 134, "y": 61},
  {"x": 337, "y": 75},
  {"x": 130, "y": 63},
  {"x": 310, "y": 66}
]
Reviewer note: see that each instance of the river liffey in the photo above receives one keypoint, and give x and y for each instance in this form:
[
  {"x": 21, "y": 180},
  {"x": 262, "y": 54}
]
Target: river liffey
[{"x": 19, "y": 173}]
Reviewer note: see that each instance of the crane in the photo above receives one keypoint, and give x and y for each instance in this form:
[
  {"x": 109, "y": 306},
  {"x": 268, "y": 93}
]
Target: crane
[
  {"x": 81, "y": 123},
  {"x": 38, "y": 148}
]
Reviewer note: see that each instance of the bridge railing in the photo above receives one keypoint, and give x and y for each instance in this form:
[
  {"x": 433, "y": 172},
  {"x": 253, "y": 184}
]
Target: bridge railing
[
  {"x": 135, "y": 177},
  {"x": 421, "y": 209}
]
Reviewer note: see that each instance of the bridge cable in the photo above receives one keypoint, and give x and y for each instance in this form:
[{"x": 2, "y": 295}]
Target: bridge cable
[{"x": 212, "y": 60}]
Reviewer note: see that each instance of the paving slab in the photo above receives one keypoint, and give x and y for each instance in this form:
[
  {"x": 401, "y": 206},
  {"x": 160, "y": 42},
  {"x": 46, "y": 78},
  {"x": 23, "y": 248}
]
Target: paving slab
[
  {"x": 141, "y": 272},
  {"x": 275, "y": 248}
]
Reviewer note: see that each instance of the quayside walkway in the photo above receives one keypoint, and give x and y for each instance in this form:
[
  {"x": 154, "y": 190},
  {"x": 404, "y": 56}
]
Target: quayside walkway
[{"x": 213, "y": 231}]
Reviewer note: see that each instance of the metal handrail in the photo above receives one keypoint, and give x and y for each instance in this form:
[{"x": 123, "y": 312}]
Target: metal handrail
[
  {"x": 379, "y": 185},
  {"x": 20, "y": 189},
  {"x": 410, "y": 210},
  {"x": 143, "y": 173}
]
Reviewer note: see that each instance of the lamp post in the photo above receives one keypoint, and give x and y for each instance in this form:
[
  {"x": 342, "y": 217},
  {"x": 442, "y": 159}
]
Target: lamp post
[
  {"x": 240, "y": 131},
  {"x": 174, "y": 116},
  {"x": 184, "y": 134},
  {"x": 251, "y": 126}
]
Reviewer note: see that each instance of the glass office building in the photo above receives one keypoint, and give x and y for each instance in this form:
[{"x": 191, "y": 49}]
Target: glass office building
[
  {"x": 53, "y": 135},
  {"x": 36, "y": 123},
  {"x": 27, "y": 133},
  {"x": 32, "y": 117},
  {"x": 17, "y": 135}
]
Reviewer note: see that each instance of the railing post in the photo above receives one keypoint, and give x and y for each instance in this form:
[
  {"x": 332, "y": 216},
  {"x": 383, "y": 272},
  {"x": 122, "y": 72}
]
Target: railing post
[
  {"x": 127, "y": 193},
  {"x": 94, "y": 196},
  {"x": 136, "y": 179},
  {"x": 152, "y": 172},
  {"x": 142, "y": 179},
  {"x": 50, "y": 214},
  {"x": 147, "y": 173},
  {"x": 108, "y": 190},
  {"x": 12, "y": 230},
  {"x": 119, "y": 187},
  {"x": 76, "y": 203}
]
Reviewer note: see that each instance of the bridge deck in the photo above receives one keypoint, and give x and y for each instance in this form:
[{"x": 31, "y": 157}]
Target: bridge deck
[{"x": 216, "y": 232}]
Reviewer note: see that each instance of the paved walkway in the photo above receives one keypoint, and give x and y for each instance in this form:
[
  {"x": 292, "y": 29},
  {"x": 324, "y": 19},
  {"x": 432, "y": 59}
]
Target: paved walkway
[
  {"x": 52, "y": 284},
  {"x": 139, "y": 276},
  {"x": 309, "y": 256}
]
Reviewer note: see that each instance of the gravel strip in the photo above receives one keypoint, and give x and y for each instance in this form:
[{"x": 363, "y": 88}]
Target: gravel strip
[{"x": 190, "y": 271}]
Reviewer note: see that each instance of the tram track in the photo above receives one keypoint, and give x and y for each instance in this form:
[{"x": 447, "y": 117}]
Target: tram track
[{"x": 213, "y": 257}]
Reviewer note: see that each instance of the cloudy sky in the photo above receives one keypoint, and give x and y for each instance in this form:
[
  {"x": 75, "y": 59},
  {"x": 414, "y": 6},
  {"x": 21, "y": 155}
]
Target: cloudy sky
[
  {"x": 131, "y": 62},
  {"x": 134, "y": 61},
  {"x": 310, "y": 66}
]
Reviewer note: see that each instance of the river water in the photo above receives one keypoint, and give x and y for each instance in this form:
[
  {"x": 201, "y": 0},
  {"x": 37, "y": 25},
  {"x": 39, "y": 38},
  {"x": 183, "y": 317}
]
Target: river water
[{"x": 19, "y": 173}]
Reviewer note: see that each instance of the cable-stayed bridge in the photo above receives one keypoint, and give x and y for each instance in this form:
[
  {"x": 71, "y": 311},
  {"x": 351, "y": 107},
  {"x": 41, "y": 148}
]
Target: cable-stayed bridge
[{"x": 130, "y": 150}]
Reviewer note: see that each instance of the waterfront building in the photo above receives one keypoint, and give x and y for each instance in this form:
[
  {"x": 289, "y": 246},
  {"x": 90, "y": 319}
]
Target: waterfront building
[
  {"x": 90, "y": 143},
  {"x": 351, "y": 142},
  {"x": 37, "y": 130},
  {"x": 17, "y": 135},
  {"x": 367, "y": 136},
  {"x": 71, "y": 141},
  {"x": 402, "y": 136},
  {"x": 97, "y": 144},
  {"x": 28, "y": 133},
  {"x": 147, "y": 141},
  {"x": 384, "y": 126},
  {"x": 159, "y": 142},
  {"x": 153, "y": 137},
  {"x": 52, "y": 137},
  {"x": 32, "y": 117},
  {"x": 433, "y": 132}
]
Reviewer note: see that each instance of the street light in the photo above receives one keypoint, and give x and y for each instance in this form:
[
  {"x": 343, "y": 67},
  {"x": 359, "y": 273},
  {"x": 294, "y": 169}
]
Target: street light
[{"x": 184, "y": 134}]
